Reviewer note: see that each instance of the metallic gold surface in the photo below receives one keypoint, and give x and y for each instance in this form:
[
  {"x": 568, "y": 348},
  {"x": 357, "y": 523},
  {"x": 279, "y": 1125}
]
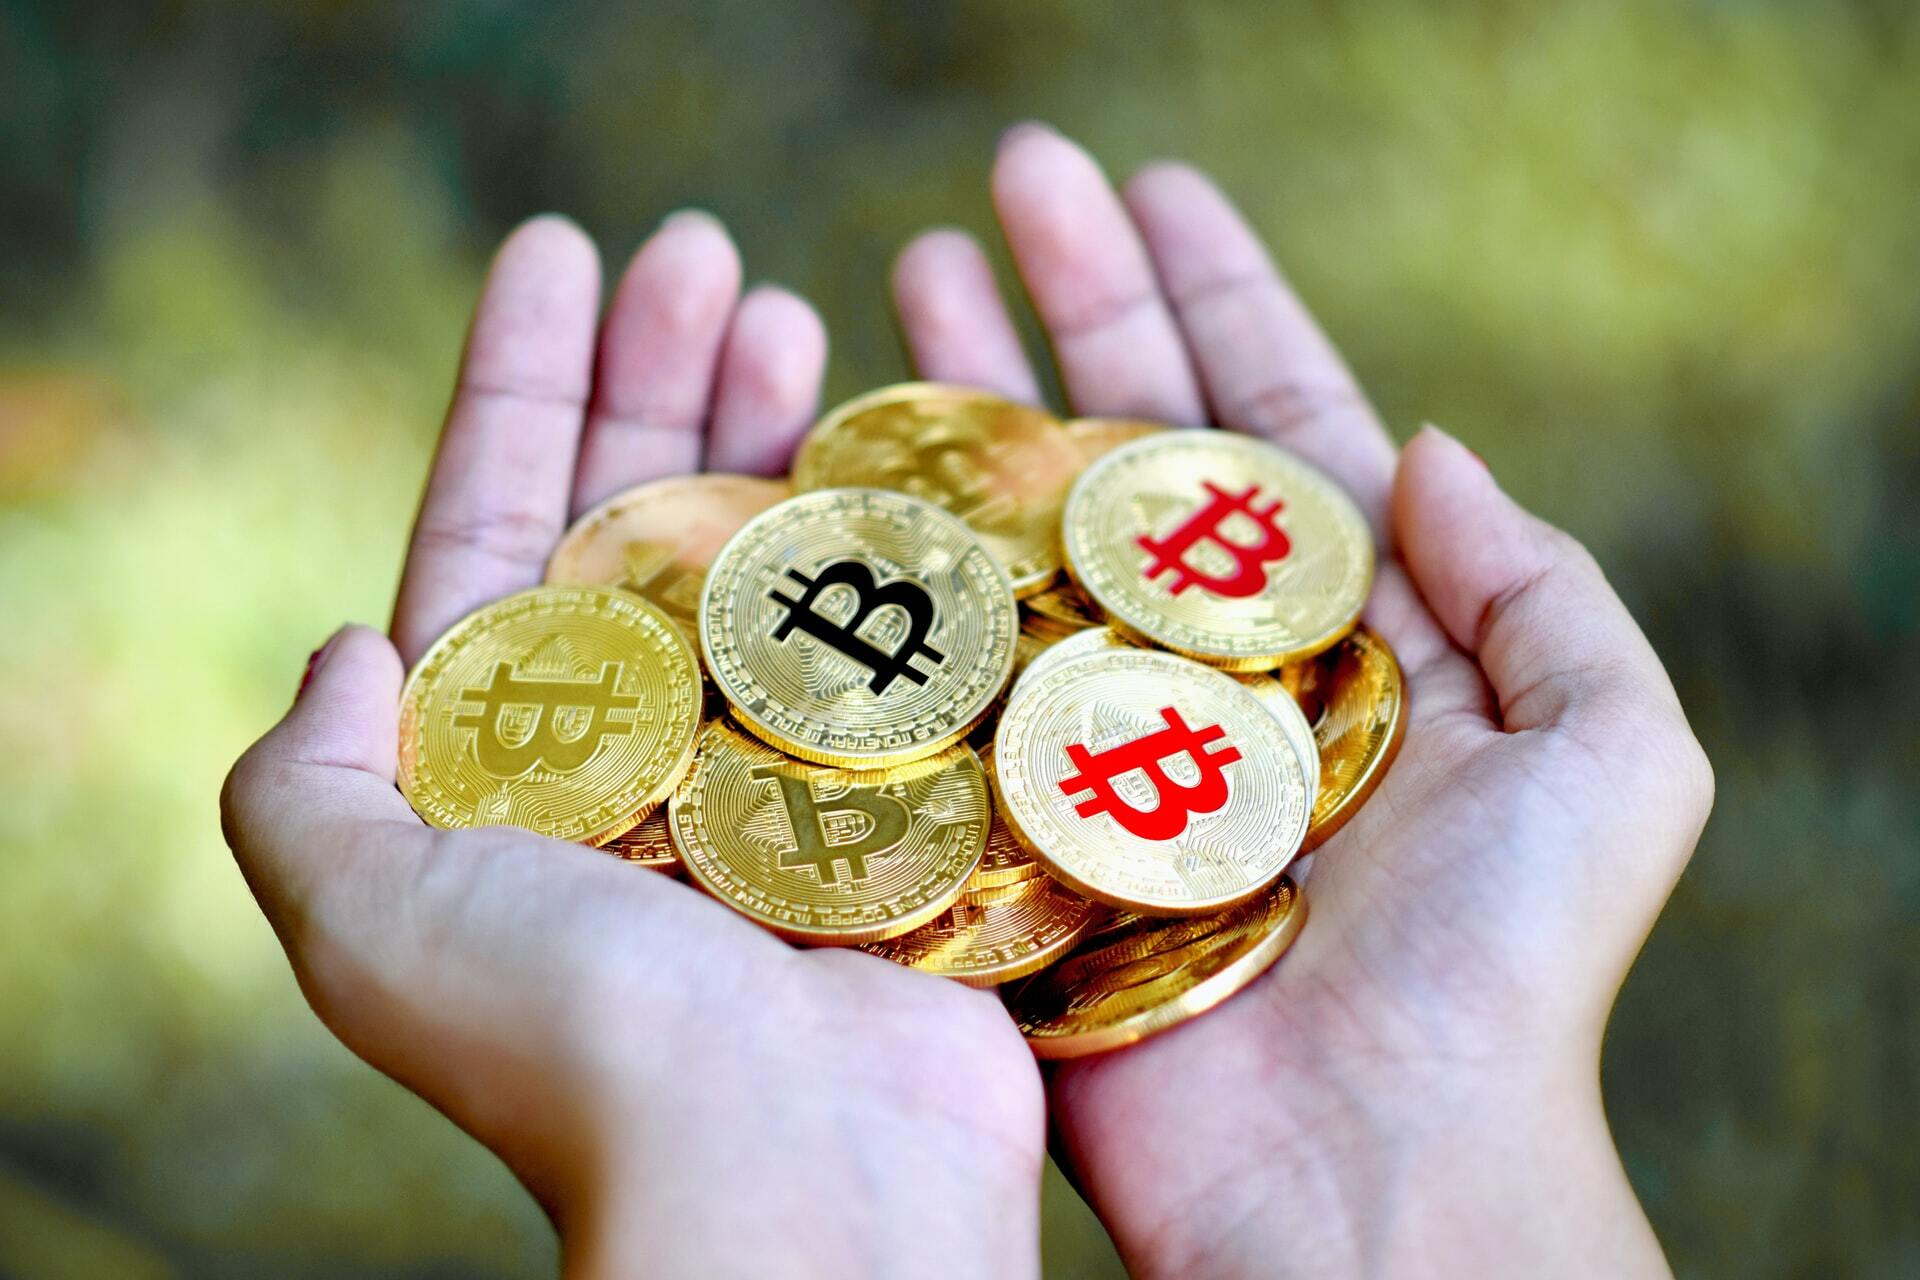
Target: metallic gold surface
[
  {"x": 570, "y": 711},
  {"x": 648, "y": 843},
  {"x": 1098, "y": 437},
  {"x": 1149, "y": 782},
  {"x": 1219, "y": 546},
  {"x": 994, "y": 937},
  {"x": 1131, "y": 977},
  {"x": 829, "y": 856},
  {"x": 1066, "y": 606},
  {"x": 857, "y": 627},
  {"x": 657, "y": 540},
  {"x": 1006, "y": 860},
  {"x": 1002, "y": 467},
  {"x": 1359, "y": 703}
]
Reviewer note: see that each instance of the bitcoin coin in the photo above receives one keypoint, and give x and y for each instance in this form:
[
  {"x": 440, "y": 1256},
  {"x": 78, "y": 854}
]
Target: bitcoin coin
[
  {"x": 857, "y": 628},
  {"x": 996, "y": 936},
  {"x": 1002, "y": 467},
  {"x": 1220, "y": 547},
  {"x": 1005, "y": 861},
  {"x": 647, "y": 843},
  {"x": 1272, "y": 692},
  {"x": 1360, "y": 716},
  {"x": 1098, "y": 437},
  {"x": 823, "y": 855},
  {"x": 1149, "y": 782},
  {"x": 570, "y": 711},
  {"x": 657, "y": 540},
  {"x": 1065, "y": 606},
  {"x": 1130, "y": 978}
]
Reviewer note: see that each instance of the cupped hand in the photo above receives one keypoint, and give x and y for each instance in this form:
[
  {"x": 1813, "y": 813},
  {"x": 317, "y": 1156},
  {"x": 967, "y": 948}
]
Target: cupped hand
[
  {"x": 1414, "y": 1088},
  {"x": 685, "y": 1093}
]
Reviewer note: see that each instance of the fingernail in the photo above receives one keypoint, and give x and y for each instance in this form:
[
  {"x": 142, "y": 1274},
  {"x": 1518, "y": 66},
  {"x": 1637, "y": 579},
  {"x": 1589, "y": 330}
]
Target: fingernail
[
  {"x": 1471, "y": 451},
  {"x": 315, "y": 661},
  {"x": 1020, "y": 129},
  {"x": 690, "y": 214}
]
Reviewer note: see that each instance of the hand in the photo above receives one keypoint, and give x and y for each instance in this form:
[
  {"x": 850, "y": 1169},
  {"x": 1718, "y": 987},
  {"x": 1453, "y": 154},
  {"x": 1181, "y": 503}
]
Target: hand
[
  {"x": 685, "y": 1093},
  {"x": 1414, "y": 1088}
]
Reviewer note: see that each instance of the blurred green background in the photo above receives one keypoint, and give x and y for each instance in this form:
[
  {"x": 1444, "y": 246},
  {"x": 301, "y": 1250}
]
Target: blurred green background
[{"x": 1659, "y": 262}]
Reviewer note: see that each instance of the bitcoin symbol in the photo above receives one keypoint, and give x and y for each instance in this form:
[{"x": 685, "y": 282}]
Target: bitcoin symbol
[
  {"x": 1176, "y": 800},
  {"x": 910, "y": 597},
  {"x": 888, "y": 818},
  {"x": 558, "y": 723},
  {"x": 1250, "y": 573}
]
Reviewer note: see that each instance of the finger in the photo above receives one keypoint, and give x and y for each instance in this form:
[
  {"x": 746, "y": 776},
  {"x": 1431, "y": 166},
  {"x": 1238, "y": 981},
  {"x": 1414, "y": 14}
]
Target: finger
[
  {"x": 768, "y": 390},
  {"x": 1526, "y": 600},
  {"x": 658, "y": 352},
  {"x": 1265, "y": 365},
  {"x": 1085, "y": 269},
  {"x": 955, "y": 322},
  {"x": 497, "y": 498},
  {"x": 312, "y": 797}
]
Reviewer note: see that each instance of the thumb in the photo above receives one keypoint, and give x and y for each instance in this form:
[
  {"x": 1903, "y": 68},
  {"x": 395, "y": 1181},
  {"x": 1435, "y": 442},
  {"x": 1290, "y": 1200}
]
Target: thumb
[{"x": 322, "y": 778}]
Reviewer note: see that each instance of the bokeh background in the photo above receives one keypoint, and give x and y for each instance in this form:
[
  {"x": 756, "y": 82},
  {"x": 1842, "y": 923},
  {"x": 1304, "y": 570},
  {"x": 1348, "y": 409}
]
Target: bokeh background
[{"x": 1659, "y": 262}]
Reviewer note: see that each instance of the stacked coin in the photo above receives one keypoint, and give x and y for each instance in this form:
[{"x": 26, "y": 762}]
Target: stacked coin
[{"x": 997, "y": 697}]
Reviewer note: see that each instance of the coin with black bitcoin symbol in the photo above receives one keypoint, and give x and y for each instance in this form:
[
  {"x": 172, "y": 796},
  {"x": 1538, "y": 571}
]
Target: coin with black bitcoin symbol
[
  {"x": 1130, "y": 978},
  {"x": 829, "y": 856},
  {"x": 1220, "y": 547},
  {"x": 657, "y": 540},
  {"x": 1149, "y": 782},
  {"x": 857, "y": 627},
  {"x": 1002, "y": 467},
  {"x": 570, "y": 711}
]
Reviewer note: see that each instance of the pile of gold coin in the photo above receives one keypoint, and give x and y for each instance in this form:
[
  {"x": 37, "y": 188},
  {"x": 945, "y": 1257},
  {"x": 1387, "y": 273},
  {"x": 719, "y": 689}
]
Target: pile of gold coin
[{"x": 1049, "y": 706}]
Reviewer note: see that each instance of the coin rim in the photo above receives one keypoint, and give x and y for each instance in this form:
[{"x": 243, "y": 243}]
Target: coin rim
[
  {"x": 1013, "y": 971},
  {"x": 1205, "y": 995},
  {"x": 1215, "y": 657},
  {"x": 809, "y": 752},
  {"x": 1376, "y": 768},
  {"x": 578, "y": 531}
]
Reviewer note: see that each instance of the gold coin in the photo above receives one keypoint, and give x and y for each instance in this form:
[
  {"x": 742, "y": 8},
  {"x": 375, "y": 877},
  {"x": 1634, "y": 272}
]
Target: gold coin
[
  {"x": 1002, "y": 467},
  {"x": 1005, "y": 861},
  {"x": 1360, "y": 706},
  {"x": 1098, "y": 437},
  {"x": 1149, "y": 782},
  {"x": 829, "y": 856},
  {"x": 1220, "y": 547},
  {"x": 998, "y": 936},
  {"x": 1272, "y": 692},
  {"x": 648, "y": 843},
  {"x": 857, "y": 628},
  {"x": 657, "y": 540},
  {"x": 1066, "y": 606},
  {"x": 570, "y": 711},
  {"x": 1131, "y": 978}
]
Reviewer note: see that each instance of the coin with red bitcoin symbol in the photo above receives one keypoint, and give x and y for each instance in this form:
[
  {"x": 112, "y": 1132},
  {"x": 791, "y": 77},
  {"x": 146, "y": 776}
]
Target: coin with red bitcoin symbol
[
  {"x": 1150, "y": 782},
  {"x": 1219, "y": 546}
]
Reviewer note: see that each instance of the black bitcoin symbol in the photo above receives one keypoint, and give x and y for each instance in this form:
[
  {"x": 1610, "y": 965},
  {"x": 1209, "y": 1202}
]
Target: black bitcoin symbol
[{"x": 910, "y": 597}]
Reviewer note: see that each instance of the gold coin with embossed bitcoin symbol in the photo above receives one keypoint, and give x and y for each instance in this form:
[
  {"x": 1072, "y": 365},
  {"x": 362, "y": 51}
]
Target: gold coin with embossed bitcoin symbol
[
  {"x": 1149, "y": 782},
  {"x": 1220, "y": 547},
  {"x": 1131, "y": 977},
  {"x": 647, "y": 843},
  {"x": 1002, "y": 467},
  {"x": 1357, "y": 703},
  {"x": 657, "y": 540},
  {"x": 857, "y": 627},
  {"x": 996, "y": 935},
  {"x": 570, "y": 711},
  {"x": 1063, "y": 608},
  {"x": 824, "y": 855},
  {"x": 1005, "y": 861},
  {"x": 1097, "y": 437}
]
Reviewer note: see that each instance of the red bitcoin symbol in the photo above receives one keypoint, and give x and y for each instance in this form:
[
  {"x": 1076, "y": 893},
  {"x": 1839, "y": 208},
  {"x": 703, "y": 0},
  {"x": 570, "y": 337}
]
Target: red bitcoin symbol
[
  {"x": 1176, "y": 800},
  {"x": 1249, "y": 574}
]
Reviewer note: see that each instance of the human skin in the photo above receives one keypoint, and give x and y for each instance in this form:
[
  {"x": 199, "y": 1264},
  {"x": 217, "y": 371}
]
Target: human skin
[{"x": 1412, "y": 1090}]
